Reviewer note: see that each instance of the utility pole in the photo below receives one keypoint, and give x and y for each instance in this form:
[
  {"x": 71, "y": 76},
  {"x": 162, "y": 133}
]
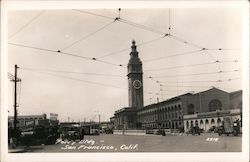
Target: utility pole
[{"x": 15, "y": 98}]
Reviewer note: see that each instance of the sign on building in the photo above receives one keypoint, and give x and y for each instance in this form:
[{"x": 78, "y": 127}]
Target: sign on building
[{"x": 53, "y": 116}]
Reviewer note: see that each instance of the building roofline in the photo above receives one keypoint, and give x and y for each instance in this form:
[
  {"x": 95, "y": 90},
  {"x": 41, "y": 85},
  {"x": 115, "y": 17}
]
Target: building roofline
[{"x": 168, "y": 100}]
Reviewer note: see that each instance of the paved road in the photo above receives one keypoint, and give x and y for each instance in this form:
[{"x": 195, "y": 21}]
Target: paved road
[{"x": 147, "y": 143}]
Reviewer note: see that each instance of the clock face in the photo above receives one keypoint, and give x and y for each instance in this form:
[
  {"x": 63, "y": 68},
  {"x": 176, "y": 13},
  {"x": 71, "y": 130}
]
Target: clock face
[{"x": 137, "y": 84}]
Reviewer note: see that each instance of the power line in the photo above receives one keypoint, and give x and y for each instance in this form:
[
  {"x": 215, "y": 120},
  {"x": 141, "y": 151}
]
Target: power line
[
  {"x": 208, "y": 73},
  {"x": 151, "y": 29},
  {"x": 125, "y": 49},
  {"x": 114, "y": 53},
  {"x": 93, "y": 14},
  {"x": 12, "y": 77},
  {"x": 85, "y": 81},
  {"x": 31, "y": 47},
  {"x": 223, "y": 49},
  {"x": 174, "y": 55},
  {"x": 65, "y": 53},
  {"x": 110, "y": 63},
  {"x": 150, "y": 41},
  {"x": 185, "y": 42},
  {"x": 160, "y": 32},
  {"x": 202, "y": 81},
  {"x": 24, "y": 26},
  {"x": 169, "y": 26},
  {"x": 142, "y": 26},
  {"x": 210, "y": 55},
  {"x": 87, "y": 36},
  {"x": 192, "y": 65},
  {"x": 185, "y": 86},
  {"x": 71, "y": 72},
  {"x": 218, "y": 87}
]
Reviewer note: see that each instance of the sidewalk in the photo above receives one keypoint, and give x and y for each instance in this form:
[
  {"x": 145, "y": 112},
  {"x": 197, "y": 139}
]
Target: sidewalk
[{"x": 16, "y": 150}]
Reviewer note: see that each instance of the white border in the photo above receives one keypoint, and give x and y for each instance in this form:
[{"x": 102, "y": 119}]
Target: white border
[{"x": 34, "y": 5}]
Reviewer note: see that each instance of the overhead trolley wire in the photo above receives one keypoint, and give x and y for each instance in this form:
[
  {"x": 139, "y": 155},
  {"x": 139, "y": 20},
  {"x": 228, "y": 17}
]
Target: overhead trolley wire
[
  {"x": 202, "y": 81},
  {"x": 65, "y": 53},
  {"x": 142, "y": 26},
  {"x": 151, "y": 29},
  {"x": 126, "y": 49},
  {"x": 71, "y": 72},
  {"x": 185, "y": 87},
  {"x": 208, "y": 73},
  {"x": 81, "y": 80},
  {"x": 192, "y": 65},
  {"x": 174, "y": 55},
  {"x": 24, "y": 26},
  {"x": 223, "y": 49},
  {"x": 171, "y": 86},
  {"x": 90, "y": 34},
  {"x": 91, "y": 13}
]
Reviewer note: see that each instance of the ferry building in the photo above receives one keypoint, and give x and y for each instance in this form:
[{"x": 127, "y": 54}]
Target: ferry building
[{"x": 205, "y": 109}]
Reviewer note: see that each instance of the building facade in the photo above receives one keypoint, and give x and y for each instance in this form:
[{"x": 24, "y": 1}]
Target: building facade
[
  {"x": 31, "y": 120},
  {"x": 205, "y": 109},
  {"x": 214, "y": 107},
  {"x": 135, "y": 81},
  {"x": 126, "y": 118}
]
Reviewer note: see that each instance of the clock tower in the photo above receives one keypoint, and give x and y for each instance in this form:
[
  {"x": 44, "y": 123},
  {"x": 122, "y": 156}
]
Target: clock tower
[{"x": 135, "y": 80}]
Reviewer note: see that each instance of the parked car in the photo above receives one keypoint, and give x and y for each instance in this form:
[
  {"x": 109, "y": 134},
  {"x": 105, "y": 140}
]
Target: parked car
[
  {"x": 161, "y": 132},
  {"x": 194, "y": 130},
  {"x": 72, "y": 135},
  {"x": 37, "y": 135}
]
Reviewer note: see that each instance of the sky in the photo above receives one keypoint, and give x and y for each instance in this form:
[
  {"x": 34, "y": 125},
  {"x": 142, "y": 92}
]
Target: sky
[{"x": 79, "y": 88}]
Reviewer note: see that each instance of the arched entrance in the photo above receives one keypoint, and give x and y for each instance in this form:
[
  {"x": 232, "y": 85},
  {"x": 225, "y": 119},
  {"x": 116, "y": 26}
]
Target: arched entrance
[
  {"x": 206, "y": 125},
  {"x": 201, "y": 124},
  {"x": 196, "y": 123},
  {"x": 192, "y": 124},
  {"x": 187, "y": 125},
  {"x": 219, "y": 123},
  {"x": 212, "y": 122}
]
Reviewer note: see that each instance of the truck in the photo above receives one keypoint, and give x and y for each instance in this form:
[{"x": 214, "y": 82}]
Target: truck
[{"x": 229, "y": 126}]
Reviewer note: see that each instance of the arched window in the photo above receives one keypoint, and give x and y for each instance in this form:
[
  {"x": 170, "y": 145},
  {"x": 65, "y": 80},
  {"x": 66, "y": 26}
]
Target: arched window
[
  {"x": 191, "y": 109},
  {"x": 212, "y": 121},
  {"x": 187, "y": 124},
  {"x": 192, "y": 123},
  {"x": 218, "y": 121},
  {"x": 214, "y": 105},
  {"x": 179, "y": 106},
  {"x": 196, "y": 123}
]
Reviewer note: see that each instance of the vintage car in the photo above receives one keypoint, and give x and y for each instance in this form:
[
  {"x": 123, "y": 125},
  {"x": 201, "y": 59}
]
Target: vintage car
[
  {"x": 37, "y": 135},
  {"x": 194, "y": 130},
  {"x": 72, "y": 135}
]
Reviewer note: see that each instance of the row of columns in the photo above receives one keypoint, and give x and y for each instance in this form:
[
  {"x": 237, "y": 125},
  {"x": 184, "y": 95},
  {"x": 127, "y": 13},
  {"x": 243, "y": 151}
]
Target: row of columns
[{"x": 205, "y": 124}]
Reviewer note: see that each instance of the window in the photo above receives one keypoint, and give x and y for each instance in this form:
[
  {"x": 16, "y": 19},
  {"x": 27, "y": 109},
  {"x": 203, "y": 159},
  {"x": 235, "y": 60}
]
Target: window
[
  {"x": 214, "y": 105},
  {"x": 191, "y": 109}
]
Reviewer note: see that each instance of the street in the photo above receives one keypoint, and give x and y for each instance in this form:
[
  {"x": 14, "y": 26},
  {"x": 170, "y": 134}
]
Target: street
[{"x": 146, "y": 143}]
